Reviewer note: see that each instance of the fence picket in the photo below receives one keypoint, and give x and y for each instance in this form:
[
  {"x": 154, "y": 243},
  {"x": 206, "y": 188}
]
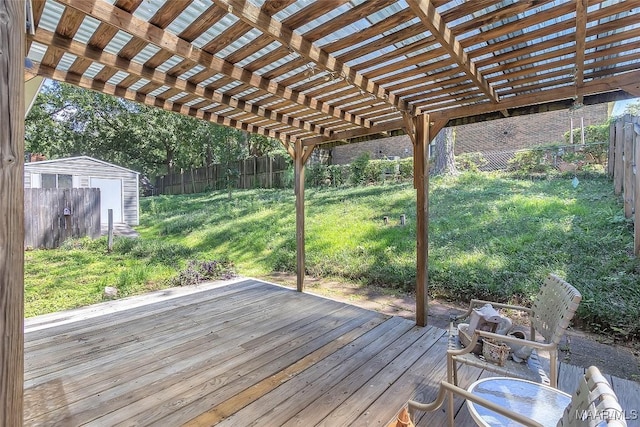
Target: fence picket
[{"x": 47, "y": 226}]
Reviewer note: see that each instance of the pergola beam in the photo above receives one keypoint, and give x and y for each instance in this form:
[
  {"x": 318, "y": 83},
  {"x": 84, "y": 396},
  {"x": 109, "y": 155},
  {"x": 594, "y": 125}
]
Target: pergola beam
[
  {"x": 173, "y": 44},
  {"x": 426, "y": 11},
  {"x": 153, "y": 101},
  {"x": 581, "y": 34},
  {"x": 253, "y": 16},
  {"x": 137, "y": 70},
  {"x": 12, "y": 47}
]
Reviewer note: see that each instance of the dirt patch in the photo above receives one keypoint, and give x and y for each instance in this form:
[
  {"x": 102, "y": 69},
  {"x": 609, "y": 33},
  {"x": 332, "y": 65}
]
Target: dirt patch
[{"x": 578, "y": 347}]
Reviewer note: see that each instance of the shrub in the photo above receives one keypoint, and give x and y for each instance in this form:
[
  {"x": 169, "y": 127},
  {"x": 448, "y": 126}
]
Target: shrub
[
  {"x": 338, "y": 174},
  {"x": 471, "y": 162},
  {"x": 406, "y": 168},
  {"x": 530, "y": 161},
  {"x": 200, "y": 271},
  {"x": 358, "y": 169},
  {"x": 317, "y": 175}
]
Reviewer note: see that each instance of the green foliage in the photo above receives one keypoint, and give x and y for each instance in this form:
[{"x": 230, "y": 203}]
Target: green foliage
[
  {"x": 358, "y": 169},
  {"x": 527, "y": 162},
  {"x": 201, "y": 271},
  {"x": 470, "y": 162},
  {"x": 592, "y": 134},
  {"x": 406, "y": 168},
  {"x": 491, "y": 236},
  {"x": 338, "y": 174},
  {"x": 317, "y": 175}
]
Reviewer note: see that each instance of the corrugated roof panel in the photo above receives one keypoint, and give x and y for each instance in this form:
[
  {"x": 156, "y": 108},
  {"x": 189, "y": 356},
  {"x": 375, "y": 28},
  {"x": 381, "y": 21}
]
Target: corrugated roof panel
[
  {"x": 259, "y": 54},
  {"x": 148, "y": 8},
  {"x": 240, "y": 42},
  {"x": 169, "y": 63},
  {"x": 36, "y": 52},
  {"x": 118, "y": 42},
  {"x": 188, "y": 16},
  {"x": 66, "y": 61},
  {"x": 117, "y": 78},
  {"x": 140, "y": 83},
  {"x": 210, "y": 80},
  {"x": 215, "y": 30},
  {"x": 159, "y": 91},
  {"x": 51, "y": 16},
  {"x": 86, "y": 30},
  {"x": 177, "y": 96},
  {"x": 145, "y": 54},
  {"x": 277, "y": 63},
  {"x": 229, "y": 86},
  {"x": 292, "y": 9},
  {"x": 324, "y": 18},
  {"x": 192, "y": 72},
  {"x": 93, "y": 69}
]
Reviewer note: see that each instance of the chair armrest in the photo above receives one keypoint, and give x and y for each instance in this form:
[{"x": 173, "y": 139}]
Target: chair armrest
[
  {"x": 479, "y": 303},
  {"x": 447, "y": 387},
  {"x": 514, "y": 340}
]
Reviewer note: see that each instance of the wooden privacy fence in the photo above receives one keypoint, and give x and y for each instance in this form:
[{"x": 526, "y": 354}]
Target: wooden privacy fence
[
  {"x": 624, "y": 160},
  {"x": 254, "y": 172},
  {"x": 52, "y": 215}
]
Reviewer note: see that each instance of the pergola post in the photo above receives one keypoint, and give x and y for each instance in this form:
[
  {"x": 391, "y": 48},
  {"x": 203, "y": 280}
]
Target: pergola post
[
  {"x": 421, "y": 178},
  {"x": 300, "y": 155},
  {"x": 12, "y": 54}
]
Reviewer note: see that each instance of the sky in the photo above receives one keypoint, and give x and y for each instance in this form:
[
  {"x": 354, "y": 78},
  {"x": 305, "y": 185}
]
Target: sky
[{"x": 619, "y": 107}]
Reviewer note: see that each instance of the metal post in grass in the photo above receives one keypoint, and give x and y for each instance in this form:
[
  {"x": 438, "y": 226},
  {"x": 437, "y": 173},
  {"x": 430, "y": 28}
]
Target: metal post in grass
[{"x": 110, "y": 231}]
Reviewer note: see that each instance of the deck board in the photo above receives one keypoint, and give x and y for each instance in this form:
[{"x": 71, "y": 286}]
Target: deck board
[{"x": 239, "y": 353}]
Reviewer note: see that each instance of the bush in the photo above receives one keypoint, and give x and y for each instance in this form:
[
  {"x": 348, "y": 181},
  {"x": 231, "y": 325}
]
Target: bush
[
  {"x": 200, "y": 271},
  {"x": 358, "y": 169},
  {"x": 317, "y": 175},
  {"x": 471, "y": 162},
  {"x": 531, "y": 161},
  {"x": 406, "y": 168},
  {"x": 338, "y": 174}
]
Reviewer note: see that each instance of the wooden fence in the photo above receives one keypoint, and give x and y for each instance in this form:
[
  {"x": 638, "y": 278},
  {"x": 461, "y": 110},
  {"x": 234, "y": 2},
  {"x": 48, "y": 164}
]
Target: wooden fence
[
  {"x": 53, "y": 215},
  {"x": 254, "y": 172},
  {"x": 624, "y": 161}
]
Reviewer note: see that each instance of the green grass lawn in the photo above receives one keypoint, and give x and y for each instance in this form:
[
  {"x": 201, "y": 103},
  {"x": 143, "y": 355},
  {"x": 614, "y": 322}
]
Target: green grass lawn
[{"x": 490, "y": 237}]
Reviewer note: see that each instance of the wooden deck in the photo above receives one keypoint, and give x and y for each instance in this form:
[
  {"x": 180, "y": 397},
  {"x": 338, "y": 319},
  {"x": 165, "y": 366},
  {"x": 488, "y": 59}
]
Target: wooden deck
[{"x": 241, "y": 354}]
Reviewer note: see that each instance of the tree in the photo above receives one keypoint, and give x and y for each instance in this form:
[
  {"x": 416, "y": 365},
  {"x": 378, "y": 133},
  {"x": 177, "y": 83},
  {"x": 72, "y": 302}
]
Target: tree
[
  {"x": 633, "y": 108},
  {"x": 444, "y": 157}
]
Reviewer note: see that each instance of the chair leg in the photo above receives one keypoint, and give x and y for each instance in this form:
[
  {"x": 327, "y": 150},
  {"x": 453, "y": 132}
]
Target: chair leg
[
  {"x": 452, "y": 371},
  {"x": 452, "y": 378},
  {"x": 553, "y": 368}
]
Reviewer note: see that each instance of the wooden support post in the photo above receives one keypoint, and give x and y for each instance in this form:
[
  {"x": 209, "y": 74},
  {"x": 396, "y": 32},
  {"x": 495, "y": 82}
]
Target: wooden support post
[
  {"x": 612, "y": 149},
  {"x": 298, "y": 160},
  {"x": 636, "y": 170},
  {"x": 618, "y": 167},
  {"x": 421, "y": 174},
  {"x": 110, "y": 230},
  {"x": 12, "y": 52},
  {"x": 628, "y": 187}
]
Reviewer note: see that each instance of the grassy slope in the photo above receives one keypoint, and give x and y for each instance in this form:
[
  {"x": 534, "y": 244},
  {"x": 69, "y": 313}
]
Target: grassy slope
[{"x": 491, "y": 237}]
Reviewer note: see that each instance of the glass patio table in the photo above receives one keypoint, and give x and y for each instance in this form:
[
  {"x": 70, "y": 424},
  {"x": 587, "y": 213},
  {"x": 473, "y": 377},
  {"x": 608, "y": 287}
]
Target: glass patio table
[{"x": 536, "y": 401}]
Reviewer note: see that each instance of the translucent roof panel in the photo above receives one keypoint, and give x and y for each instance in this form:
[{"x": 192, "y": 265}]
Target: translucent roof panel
[{"x": 118, "y": 42}]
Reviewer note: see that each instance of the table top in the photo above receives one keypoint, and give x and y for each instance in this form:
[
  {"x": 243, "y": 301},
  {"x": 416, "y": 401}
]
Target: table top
[{"x": 539, "y": 402}]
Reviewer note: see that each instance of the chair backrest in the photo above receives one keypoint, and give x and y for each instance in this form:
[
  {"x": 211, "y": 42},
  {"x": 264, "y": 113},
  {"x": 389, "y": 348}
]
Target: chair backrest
[
  {"x": 554, "y": 308},
  {"x": 593, "y": 404}
]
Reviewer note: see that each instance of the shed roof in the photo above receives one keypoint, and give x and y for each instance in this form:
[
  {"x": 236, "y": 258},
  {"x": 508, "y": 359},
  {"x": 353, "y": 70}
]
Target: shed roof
[
  {"x": 66, "y": 159},
  {"x": 328, "y": 70}
]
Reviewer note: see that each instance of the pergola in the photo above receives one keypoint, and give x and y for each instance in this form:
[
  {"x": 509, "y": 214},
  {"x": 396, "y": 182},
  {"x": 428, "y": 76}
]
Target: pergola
[{"x": 308, "y": 73}]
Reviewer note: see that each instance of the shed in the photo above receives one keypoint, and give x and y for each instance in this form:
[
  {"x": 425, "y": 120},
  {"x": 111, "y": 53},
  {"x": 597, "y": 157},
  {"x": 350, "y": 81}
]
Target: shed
[{"x": 118, "y": 186}]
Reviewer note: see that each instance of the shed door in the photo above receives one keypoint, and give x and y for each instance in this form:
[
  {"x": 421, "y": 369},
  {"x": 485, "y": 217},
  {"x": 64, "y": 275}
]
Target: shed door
[{"x": 110, "y": 198}]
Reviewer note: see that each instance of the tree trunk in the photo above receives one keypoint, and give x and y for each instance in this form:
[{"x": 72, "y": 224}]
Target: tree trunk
[{"x": 444, "y": 157}]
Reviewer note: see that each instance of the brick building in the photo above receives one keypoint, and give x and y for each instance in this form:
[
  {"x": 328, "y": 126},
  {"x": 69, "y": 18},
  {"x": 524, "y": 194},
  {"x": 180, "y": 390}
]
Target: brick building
[{"x": 496, "y": 139}]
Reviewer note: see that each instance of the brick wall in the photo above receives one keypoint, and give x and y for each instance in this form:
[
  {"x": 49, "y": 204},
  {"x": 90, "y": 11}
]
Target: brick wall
[
  {"x": 378, "y": 149},
  {"x": 492, "y": 136}
]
